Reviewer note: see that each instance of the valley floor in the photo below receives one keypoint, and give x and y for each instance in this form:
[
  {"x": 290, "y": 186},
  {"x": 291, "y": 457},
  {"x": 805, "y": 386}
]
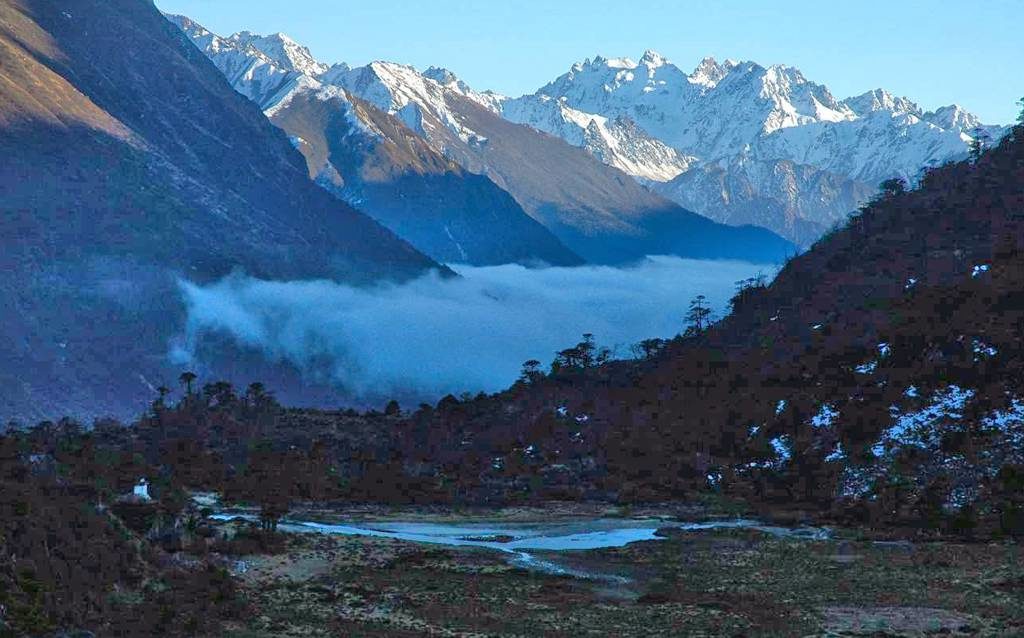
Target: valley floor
[{"x": 703, "y": 583}]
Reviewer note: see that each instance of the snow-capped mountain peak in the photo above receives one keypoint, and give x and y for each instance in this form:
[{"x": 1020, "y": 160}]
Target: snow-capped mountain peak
[
  {"x": 956, "y": 118},
  {"x": 881, "y": 100},
  {"x": 743, "y": 125},
  {"x": 403, "y": 91},
  {"x": 612, "y": 63},
  {"x": 272, "y": 70},
  {"x": 445, "y": 77},
  {"x": 287, "y": 53},
  {"x": 709, "y": 72},
  {"x": 616, "y": 141},
  {"x": 253, "y": 72},
  {"x": 653, "y": 59}
]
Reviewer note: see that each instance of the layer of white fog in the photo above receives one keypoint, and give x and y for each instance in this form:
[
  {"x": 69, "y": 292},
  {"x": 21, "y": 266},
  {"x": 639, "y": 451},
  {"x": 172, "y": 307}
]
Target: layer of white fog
[{"x": 432, "y": 337}]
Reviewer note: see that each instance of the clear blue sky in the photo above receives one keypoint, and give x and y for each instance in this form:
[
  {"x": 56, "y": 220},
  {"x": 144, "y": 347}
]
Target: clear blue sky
[{"x": 936, "y": 52}]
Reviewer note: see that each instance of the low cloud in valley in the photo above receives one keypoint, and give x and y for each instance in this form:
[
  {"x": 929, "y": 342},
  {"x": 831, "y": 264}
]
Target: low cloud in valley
[{"x": 432, "y": 336}]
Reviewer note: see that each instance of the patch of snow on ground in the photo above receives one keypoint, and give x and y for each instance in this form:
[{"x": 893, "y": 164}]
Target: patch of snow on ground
[
  {"x": 836, "y": 455},
  {"x": 825, "y": 417},
  {"x": 206, "y": 499},
  {"x": 1010, "y": 422},
  {"x": 783, "y": 448},
  {"x": 961, "y": 495},
  {"x": 856, "y": 482},
  {"x": 919, "y": 428},
  {"x": 457, "y": 244},
  {"x": 982, "y": 349}
]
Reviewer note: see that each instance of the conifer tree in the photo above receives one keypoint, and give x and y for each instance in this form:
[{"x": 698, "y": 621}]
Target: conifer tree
[
  {"x": 699, "y": 315},
  {"x": 186, "y": 380},
  {"x": 979, "y": 142}
]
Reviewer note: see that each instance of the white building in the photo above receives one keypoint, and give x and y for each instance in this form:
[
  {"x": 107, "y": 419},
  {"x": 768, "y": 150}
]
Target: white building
[{"x": 141, "y": 491}]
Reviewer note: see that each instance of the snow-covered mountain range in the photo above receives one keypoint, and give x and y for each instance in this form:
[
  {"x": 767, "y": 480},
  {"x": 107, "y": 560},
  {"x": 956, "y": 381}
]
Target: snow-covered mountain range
[
  {"x": 766, "y": 137},
  {"x": 369, "y": 159},
  {"x": 738, "y": 142},
  {"x": 774, "y": 113},
  {"x": 581, "y": 197}
]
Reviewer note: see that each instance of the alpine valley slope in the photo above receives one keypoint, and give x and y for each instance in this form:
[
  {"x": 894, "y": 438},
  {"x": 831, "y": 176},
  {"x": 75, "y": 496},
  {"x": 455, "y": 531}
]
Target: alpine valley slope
[
  {"x": 743, "y": 143},
  {"x": 129, "y": 163},
  {"x": 372, "y": 160},
  {"x": 594, "y": 209}
]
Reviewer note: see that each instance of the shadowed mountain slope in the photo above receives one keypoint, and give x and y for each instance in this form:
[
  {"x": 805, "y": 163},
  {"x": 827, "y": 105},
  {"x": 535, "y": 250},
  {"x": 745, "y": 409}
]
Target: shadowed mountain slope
[
  {"x": 130, "y": 163},
  {"x": 370, "y": 158},
  {"x": 597, "y": 210}
]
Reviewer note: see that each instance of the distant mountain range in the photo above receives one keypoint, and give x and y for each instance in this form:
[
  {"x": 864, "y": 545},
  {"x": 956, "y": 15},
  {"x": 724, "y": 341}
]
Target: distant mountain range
[
  {"x": 416, "y": 186},
  {"x": 735, "y": 141},
  {"x": 372, "y": 160},
  {"x": 743, "y": 143}
]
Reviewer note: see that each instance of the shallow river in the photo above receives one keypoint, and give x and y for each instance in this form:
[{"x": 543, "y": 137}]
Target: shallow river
[{"x": 518, "y": 540}]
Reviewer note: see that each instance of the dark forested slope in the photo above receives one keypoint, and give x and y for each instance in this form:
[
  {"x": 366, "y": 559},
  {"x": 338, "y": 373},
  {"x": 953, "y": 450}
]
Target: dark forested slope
[{"x": 887, "y": 357}]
